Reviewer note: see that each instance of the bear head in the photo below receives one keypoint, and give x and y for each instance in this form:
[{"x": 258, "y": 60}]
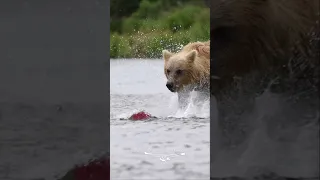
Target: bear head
[{"x": 179, "y": 69}]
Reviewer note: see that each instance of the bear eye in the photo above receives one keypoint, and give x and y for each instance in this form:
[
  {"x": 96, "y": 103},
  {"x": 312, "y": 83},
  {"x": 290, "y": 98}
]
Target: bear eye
[
  {"x": 168, "y": 71},
  {"x": 179, "y": 71}
]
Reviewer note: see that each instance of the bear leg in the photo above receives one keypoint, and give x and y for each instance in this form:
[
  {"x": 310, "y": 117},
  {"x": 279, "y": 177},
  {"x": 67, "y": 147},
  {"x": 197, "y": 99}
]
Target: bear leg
[{"x": 183, "y": 99}]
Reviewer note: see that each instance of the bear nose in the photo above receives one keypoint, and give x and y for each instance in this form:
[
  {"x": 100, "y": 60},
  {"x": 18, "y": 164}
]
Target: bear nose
[{"x": 169, "y": 85}]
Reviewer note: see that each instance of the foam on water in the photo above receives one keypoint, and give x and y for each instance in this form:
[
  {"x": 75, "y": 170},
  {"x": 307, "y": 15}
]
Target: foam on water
[
  {"x": 170, "y": 109},
  {"x": 191, "y": 110}
]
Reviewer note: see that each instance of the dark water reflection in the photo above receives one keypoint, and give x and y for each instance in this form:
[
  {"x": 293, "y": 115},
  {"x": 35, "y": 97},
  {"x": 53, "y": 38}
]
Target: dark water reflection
[{"x": 273, "y": 133}]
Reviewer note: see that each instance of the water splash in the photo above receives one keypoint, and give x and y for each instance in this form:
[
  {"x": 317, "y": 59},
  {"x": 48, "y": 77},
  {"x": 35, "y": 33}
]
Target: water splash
[{"x": 192, "y": 109}]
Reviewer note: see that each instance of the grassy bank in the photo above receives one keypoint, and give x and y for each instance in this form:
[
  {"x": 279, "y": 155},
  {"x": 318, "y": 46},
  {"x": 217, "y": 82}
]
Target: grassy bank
[{"x": 154, "y": 27}]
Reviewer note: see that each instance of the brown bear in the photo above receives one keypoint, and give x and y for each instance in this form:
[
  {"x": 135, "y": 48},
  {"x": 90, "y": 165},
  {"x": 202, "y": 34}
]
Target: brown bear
[
  {"x": 253, "y": 42},
  {"x": 188, "y": 70},
  {"x": 258, "y": 36}
]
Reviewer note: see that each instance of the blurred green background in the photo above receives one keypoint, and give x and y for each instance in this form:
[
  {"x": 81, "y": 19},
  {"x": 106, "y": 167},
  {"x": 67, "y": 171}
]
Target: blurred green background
[{"x": 143, "y": 28}]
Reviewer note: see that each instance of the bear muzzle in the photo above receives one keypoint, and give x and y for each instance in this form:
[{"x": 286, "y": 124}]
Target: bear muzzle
[{"x": 170, "y": 86}]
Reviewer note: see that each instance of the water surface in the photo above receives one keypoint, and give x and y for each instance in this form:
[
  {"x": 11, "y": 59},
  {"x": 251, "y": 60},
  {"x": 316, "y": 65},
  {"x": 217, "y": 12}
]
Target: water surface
[{"x": 140, "y": 150}]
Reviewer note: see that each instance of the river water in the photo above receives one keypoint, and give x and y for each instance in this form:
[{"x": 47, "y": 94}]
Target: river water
[
  {"x": 266, "y": 135},
  {"x": 269, "y": 133},
  {"x": 175, "y": 145}
]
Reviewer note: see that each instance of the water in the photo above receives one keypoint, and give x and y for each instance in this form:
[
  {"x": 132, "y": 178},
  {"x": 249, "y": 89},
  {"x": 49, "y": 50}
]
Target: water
[
  {"x": 174, "y": 146},
  {"x": 271, "y": 133},
  {"x": 53, "y": 116},
  {"x": 274, "y": 141},
  {"x": 39, "y": 142}
]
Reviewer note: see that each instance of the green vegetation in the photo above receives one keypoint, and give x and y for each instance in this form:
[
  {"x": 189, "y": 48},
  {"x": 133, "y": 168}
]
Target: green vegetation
[{"x": 143, "y": 28}]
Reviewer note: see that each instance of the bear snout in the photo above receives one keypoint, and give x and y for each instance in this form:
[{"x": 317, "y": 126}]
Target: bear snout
[{"x": 170, "y": 86}]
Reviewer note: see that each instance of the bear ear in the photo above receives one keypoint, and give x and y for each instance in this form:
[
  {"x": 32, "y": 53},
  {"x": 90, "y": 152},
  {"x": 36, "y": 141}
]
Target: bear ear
[
  {"x": 166, "y": 55},
  {"x": 191, "y": 56}
]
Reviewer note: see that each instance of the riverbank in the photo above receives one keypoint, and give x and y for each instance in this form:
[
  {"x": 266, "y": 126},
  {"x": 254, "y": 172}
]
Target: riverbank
[{"x": 145, "y": 34}]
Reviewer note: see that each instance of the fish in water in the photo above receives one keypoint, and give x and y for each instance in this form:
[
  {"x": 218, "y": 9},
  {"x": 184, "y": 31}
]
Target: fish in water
[
  {"x": 98, "y": 169},
  {"x": 140, "y": 116}
]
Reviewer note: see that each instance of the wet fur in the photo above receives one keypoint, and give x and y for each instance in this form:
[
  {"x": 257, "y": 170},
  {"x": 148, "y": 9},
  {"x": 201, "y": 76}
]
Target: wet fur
[
  {"x": 259, "y": 35},
  {"x": 194, "y": 61}
]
